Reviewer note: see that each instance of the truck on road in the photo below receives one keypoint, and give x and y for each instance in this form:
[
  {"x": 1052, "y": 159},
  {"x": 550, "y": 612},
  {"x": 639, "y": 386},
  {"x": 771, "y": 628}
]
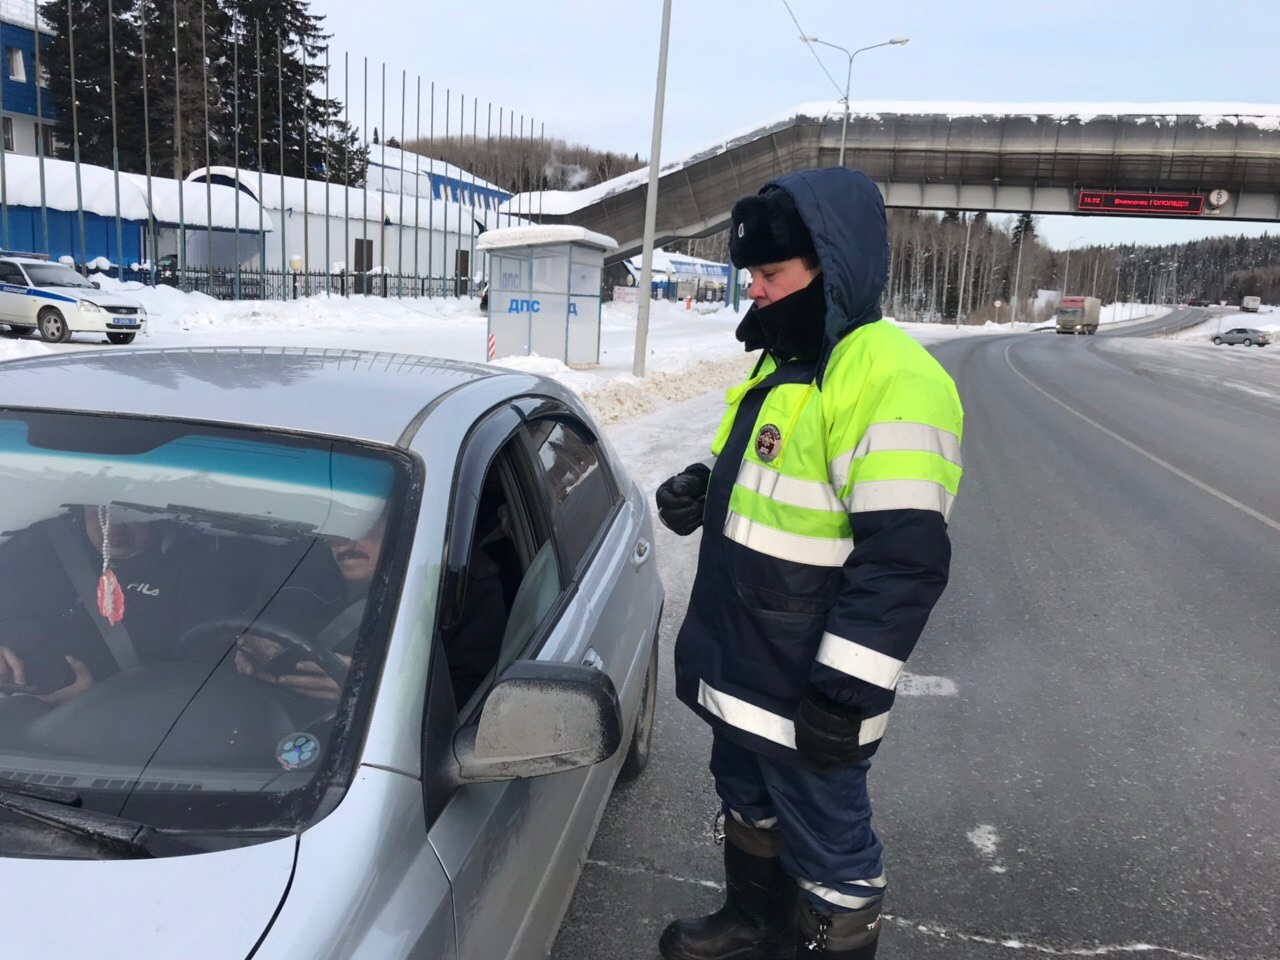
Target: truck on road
[
  {"x": 1079, "y": 315},
  {"x": 1250, "y": 304}
]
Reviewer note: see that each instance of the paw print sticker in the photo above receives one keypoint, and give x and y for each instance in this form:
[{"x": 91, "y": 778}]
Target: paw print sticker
[{"x": 297, "y": 750}]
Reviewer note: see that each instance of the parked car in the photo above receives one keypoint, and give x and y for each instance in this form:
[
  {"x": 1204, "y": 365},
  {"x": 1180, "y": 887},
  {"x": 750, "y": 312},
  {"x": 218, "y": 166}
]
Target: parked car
[
  {"x": 1243, "y": 335},
  {"x": 54, "y": 300},
  {"x": 432, "y": 789}
]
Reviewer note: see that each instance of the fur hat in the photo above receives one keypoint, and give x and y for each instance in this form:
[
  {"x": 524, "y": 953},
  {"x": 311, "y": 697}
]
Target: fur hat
[{"x": 767, "y": 228}]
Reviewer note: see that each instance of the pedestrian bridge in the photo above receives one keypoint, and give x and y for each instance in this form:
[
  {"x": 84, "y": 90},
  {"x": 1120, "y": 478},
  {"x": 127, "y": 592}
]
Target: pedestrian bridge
[{"x": 1012, "y": 158}]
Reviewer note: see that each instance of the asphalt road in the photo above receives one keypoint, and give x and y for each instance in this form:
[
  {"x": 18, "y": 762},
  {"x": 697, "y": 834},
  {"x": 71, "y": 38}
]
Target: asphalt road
[{"x": 1106, "y": 773}]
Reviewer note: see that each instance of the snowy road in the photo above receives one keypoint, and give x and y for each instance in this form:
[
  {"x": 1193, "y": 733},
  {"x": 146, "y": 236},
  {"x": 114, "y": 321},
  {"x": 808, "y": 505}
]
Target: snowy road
[{"x": 1104, "y": 777}]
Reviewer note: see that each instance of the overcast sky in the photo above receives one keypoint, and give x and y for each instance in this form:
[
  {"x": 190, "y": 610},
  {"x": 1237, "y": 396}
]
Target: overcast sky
[{"x": 586, "y": 68}]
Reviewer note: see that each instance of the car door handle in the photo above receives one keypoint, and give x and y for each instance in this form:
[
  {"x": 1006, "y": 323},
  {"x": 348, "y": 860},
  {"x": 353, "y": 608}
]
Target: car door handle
[
  {"x": 640, "y": 555},
  {"x": 593, "y": 660}
]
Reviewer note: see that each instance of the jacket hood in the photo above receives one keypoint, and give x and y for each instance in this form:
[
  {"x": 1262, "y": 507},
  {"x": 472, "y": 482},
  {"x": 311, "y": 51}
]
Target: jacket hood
[{"x": 845, "y": 215}]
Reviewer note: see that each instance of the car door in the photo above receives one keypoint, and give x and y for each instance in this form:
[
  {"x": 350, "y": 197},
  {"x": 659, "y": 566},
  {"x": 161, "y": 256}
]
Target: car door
[
  {"x": 604, "y": 549},
  {"x": 13, "y": 294},
  {"x": 511, "y": 849}
]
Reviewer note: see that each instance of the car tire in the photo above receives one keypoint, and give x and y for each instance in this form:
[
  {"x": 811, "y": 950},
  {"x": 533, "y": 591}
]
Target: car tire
[
  {"x": 121, "y": 338},
  {"x": 53, "y": 326},
  {"x": 642, "y": 738},
  {"x": 1248, "y": 342},
  {"x": 1218, "y": 341}
]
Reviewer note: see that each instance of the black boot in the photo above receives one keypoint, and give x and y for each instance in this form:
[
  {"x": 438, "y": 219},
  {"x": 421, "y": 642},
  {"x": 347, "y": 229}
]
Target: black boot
[
  {"x": 757, "y": 921},
  {"x": 839, "y": 936}
]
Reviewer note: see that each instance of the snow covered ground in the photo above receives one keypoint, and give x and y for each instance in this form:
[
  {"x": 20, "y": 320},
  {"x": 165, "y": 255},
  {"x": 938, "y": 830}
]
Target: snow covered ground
[
  {"x": 1268, "y": 319},
  {"x": 691, "y": 351}
]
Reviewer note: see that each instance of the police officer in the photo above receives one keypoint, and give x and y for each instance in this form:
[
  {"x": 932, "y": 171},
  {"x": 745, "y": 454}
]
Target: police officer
[{"x": 824, "y": 549}]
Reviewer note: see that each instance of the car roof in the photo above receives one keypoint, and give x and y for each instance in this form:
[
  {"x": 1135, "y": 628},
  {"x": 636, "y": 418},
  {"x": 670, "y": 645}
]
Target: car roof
[
  {"x": 32, "y": 260},
  {"x": 352, "y": 394}
]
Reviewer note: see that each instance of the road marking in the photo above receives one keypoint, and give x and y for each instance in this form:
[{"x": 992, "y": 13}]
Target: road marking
[
  {"x": 1009, "y": 943},
  {"x": 985, "y": 838},
  {"x": 916, "y": 685},
  {"x": 1212, "y": 491}
]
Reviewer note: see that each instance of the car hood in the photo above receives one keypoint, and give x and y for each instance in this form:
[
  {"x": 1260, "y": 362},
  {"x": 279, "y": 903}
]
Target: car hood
[
  {"x": 102, "y": 298},
  {"x": 204, "y": 905}
]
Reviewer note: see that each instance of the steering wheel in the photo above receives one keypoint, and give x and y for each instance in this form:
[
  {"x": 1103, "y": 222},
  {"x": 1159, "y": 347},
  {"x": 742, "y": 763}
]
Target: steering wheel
[{"x": 297, "y": 647}]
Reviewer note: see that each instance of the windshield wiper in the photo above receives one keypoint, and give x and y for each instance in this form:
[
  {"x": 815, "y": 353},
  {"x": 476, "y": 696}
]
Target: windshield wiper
[{"x": 61, "y": 809}]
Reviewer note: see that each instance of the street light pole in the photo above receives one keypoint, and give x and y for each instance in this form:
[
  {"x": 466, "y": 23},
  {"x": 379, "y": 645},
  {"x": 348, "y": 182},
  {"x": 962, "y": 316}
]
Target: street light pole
[
  {"x": 848, "y": 80},
  {"x": 651, "y": 201}
]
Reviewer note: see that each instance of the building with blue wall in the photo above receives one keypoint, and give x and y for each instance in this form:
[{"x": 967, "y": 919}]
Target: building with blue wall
[{"x": 21, "y": 85}]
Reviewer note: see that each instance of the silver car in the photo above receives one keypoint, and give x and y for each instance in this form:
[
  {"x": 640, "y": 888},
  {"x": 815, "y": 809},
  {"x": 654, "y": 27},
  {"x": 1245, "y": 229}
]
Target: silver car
[
  {"x": 1243, "y": 335},
  {"x": 309, "y": 654}
]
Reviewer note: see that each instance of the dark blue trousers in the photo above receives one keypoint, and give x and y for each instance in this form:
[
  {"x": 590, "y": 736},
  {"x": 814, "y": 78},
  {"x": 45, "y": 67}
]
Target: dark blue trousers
[{"x": 824, "y": 816}]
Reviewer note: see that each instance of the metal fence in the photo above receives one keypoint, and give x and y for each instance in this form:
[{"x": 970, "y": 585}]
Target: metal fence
[{"x": 248, "y": 284}]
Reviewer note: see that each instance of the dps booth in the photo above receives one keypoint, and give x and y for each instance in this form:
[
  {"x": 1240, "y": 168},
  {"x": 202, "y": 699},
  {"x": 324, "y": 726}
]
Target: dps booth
[{"x": 544, "y": 291}]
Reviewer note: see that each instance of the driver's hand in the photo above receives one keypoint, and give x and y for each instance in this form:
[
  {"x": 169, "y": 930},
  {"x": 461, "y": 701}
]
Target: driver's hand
[
  {"x": 82, "y": 682},
  {"x": 12, "y": 669},
  {"x": 253, "y": 653},
  {"x": 311, "y": 680}
]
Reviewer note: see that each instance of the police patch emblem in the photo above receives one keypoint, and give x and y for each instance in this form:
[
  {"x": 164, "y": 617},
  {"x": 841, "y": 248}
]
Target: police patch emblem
[
  {"x": 741, "y": 230},
  {"x": 768, "y": 442}
]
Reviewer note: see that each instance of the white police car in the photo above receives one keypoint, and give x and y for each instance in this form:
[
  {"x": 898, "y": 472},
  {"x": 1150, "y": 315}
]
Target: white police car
[{"x": 56, "y": 301}]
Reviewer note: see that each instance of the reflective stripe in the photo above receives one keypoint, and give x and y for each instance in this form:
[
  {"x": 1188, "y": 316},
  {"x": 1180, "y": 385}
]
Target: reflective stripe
[
  {"x": 898, "y": 437},
  {"x": 816, "y": 551},
  {"x": 858, "y": 661},
  {"x": 839, "y": 898},
  {"x": 873, "y": 728},
  {"x": 747, "y": 716},
  {"x": 764, "y": 723},
  {"x": 789, "y": 490},
  {"x": 900, "y": 495}
]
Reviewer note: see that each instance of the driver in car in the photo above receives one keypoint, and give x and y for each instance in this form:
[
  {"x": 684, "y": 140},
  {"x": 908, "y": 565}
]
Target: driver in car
[
  {"x": 324, "y": 601},
  {"x": 107, "y": 589}
]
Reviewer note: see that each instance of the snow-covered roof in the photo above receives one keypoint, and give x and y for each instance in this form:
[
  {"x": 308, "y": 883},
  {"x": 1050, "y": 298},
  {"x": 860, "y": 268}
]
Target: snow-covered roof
[
  {"x": 1264, "y": 116},
  {"x": 98, "y": 189},
  {"x": 296, "y": 195},
  {"x": 534, "y": 236},
  {"x": 678, "y": 264},
  {"x": 391, "y": 162},
  {"x": 22, "y": 13}
]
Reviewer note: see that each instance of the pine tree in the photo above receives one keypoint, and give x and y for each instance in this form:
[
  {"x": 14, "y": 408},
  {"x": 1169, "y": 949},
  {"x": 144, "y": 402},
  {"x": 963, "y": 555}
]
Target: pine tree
[
  {"x": 287, "y": 27},
  {"x": 84, "y": 23}
]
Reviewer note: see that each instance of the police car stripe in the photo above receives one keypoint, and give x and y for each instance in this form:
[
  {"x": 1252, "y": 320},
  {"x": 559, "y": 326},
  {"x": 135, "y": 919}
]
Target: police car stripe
[
  {"x": 900, "y": 495},
  {"x": 764, "y": 723},
  {"x": 789, "y": 490},
  {"x": 816, "y": 551},
  {"x": 858, "y": 661},
  {"x": 838, "y": 897},
  {"x": 897, "y": 437}
]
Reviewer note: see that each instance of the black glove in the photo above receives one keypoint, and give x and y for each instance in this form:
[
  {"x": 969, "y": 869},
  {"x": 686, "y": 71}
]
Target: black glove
[
  {"x": 682, "y": 498},
  {"x": 827, "y": 731}
]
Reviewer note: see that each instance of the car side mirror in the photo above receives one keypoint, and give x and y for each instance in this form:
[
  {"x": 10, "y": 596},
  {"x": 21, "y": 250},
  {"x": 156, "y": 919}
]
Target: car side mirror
[
  {"x": 96, "y": 284},
  {"x": 541, "y": 718}
]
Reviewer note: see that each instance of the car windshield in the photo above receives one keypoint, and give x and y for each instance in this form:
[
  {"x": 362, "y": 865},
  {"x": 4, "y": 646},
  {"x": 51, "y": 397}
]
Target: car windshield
[
  {"x": 1072, "y": 312},
  {"x": 55, "y": 275},
  {"x": 189, "y": 616}
]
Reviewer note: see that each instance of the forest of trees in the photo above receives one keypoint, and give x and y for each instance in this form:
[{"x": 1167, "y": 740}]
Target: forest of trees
[
  {"x": 245, "y": 65},
  {"x": 929, "y": 274},
  {"x": 521, "y": 164}
]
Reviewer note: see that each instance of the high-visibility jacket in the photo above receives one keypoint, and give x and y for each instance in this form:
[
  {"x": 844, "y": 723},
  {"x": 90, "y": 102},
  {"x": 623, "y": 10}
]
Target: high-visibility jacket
[{"x": 824, "y": 543}]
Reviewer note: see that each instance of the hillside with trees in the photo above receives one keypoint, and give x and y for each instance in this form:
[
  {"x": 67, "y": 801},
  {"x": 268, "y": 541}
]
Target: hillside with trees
[{"x": 521, "y": 164}]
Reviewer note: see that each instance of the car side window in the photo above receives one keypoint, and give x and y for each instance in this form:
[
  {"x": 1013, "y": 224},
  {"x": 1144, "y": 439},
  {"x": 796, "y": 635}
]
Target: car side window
[
  {"x": 510, "y": 581},
  {"x": 9, "y": 273},
  {"x": 582, "y": 492}
]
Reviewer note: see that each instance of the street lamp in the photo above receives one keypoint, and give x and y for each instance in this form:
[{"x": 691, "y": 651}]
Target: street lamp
[
  {"x": 895, "y": 42},
  {"x": 1066, "y": 278}
]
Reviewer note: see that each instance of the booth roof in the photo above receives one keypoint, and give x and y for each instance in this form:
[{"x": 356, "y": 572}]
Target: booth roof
[{"x": 537, "y": 236}]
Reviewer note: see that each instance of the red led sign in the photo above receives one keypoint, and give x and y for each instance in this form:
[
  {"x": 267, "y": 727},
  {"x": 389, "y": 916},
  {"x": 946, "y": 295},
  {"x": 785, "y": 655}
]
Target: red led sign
[{"x": 1103, "y": 201}]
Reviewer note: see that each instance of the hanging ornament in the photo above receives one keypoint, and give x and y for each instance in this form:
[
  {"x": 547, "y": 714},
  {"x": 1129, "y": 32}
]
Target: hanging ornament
[{"x": 110, "y": 596}]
